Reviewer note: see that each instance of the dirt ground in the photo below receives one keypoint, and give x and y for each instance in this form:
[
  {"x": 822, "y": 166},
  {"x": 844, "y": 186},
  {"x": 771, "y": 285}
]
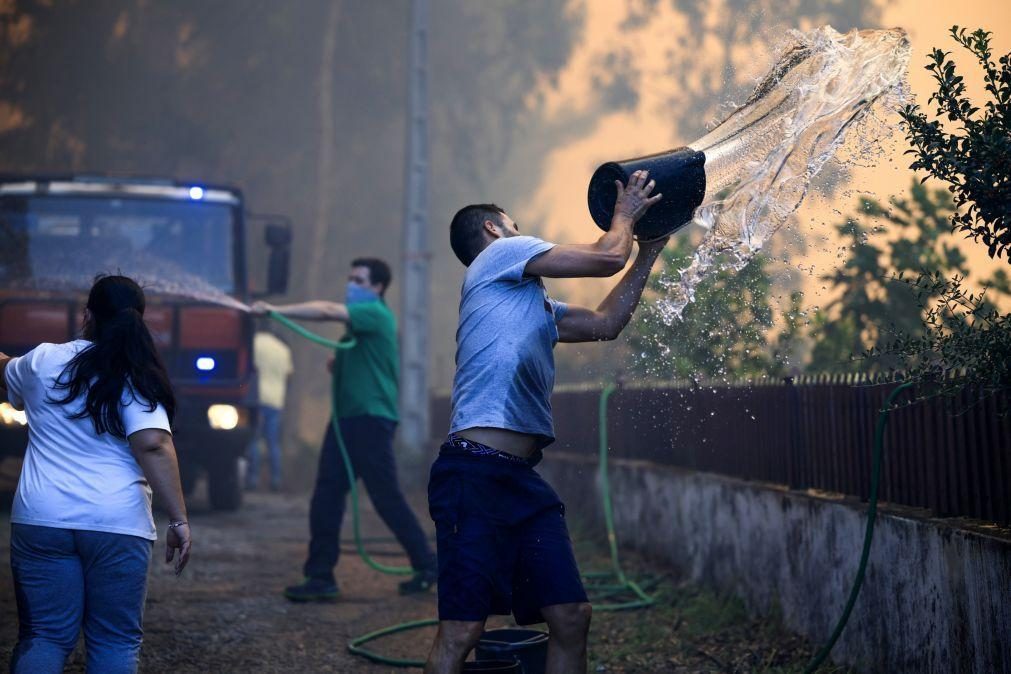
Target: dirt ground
[{"x": 226, "y": 613}]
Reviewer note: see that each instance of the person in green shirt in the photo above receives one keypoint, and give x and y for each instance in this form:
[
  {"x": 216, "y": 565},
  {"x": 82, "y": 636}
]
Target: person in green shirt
[{"x": 365, "y": 389}]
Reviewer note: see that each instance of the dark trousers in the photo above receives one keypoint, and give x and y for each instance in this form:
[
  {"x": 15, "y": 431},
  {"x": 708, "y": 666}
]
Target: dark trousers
[{"x": 369, "y": 442}]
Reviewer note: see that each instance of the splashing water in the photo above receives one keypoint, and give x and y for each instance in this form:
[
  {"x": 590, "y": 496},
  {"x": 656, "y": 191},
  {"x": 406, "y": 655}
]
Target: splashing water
[{"x": 760, "y": 161}]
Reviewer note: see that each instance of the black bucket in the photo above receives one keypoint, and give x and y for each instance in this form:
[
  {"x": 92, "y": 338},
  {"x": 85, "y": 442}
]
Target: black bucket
[
  {"x": 497, "y": 666},
  {"x": 680, "y": 176},
  {"x": 527, "y": 647}
]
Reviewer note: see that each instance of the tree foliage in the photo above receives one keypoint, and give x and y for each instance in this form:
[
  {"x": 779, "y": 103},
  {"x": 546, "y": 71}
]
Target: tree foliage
[
  {"x": 870, "y": 308},
  {"x": 966, "y": 340},
  {"x": 975, "y": 158}
]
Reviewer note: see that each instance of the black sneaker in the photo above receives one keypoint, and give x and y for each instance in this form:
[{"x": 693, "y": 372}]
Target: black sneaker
[
  {"x": 312, "y": 589},
  {"x": 423, "y": 581}
]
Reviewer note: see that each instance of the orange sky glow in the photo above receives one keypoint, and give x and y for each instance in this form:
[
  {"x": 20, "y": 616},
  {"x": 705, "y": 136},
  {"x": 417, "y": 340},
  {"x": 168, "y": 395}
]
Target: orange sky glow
[{"x": 558, "y": 209}]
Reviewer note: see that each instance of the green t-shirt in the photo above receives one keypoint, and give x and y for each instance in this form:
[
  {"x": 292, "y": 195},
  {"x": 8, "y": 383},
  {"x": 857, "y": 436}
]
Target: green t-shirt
[{"x": 368, "y": 372}]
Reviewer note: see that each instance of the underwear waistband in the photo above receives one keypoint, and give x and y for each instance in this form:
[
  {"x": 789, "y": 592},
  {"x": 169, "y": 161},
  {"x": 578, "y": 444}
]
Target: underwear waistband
[{"x": 462, "y": 446}]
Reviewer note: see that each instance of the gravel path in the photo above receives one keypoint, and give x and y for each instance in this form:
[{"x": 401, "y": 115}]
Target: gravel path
[{"x": 226, "y": 613}]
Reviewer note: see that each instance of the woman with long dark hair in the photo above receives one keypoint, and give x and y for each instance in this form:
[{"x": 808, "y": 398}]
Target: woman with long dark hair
[{"x": 99, "y": 417}]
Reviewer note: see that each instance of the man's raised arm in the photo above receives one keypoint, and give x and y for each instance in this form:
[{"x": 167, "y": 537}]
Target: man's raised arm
[
  {"x": 580, "y": 324},
  {"x": 609, "y": 254}
]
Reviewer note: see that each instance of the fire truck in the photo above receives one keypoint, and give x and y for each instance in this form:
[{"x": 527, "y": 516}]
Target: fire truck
[{"x": 186, "y": 244}]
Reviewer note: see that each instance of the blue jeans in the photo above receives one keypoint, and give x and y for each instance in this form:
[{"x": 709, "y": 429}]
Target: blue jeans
[
  {"x": 67, "y": 578},
  {"x": 269, "y": 428}
]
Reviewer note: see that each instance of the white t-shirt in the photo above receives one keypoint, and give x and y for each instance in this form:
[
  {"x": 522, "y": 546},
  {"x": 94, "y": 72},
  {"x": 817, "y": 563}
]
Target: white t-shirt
[{"x": 72, "y": 477}]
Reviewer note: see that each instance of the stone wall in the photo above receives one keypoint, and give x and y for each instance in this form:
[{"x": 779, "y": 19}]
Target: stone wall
[{"x": 937, "y": 597}]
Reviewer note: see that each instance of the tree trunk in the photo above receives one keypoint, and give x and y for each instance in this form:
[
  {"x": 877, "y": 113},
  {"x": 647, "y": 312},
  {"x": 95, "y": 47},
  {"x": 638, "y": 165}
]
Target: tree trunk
[{"x": 307, "y": 360}]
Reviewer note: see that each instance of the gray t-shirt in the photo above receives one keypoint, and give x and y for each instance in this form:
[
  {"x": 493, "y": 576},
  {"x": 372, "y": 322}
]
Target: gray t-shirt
[{"x": 505, "y": 367}]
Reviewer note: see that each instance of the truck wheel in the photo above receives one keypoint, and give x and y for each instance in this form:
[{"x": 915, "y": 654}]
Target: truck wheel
[{"x": 223, "y": 485}]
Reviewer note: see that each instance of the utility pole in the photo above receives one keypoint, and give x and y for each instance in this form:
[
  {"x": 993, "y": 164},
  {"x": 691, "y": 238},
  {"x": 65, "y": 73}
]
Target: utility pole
[{"x": 414, "y": 312}]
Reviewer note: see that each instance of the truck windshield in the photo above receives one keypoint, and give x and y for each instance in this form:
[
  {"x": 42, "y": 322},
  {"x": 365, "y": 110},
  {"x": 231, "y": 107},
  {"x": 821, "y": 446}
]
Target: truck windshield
[{"x": 56, "y": 242}]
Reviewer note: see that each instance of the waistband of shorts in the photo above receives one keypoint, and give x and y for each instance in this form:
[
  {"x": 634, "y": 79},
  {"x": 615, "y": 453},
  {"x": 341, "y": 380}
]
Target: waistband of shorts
[{"x": 458, "y": 446}]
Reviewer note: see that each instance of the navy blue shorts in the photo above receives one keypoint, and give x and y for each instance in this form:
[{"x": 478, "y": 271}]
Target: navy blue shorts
[{"x": 503, "y": 544}]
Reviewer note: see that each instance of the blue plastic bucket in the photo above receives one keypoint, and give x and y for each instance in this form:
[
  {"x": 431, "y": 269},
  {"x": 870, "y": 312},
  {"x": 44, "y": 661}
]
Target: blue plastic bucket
[{"x": 526, "y": 646}]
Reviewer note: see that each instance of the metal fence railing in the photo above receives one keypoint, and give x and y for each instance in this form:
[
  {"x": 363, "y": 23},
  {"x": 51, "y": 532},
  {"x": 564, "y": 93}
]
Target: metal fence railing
[{"x": 950, "y": 456}]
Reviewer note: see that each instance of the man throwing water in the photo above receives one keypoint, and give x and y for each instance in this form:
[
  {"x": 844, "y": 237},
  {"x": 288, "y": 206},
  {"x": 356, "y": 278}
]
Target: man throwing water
[{"x": 503, "y": 546}]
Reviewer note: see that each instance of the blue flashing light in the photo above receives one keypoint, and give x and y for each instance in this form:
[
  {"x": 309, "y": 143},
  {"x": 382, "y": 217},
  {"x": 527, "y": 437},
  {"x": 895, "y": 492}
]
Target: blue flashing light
[
  {"x": 196, "y": 193},
  {"x": 206, "y": 364}
]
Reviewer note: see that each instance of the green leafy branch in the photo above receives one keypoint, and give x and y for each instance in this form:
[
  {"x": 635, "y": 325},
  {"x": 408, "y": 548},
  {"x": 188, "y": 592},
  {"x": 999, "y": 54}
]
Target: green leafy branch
[
  {"x": 966, "y": 341},
  {"x": 974, "y": 159}
]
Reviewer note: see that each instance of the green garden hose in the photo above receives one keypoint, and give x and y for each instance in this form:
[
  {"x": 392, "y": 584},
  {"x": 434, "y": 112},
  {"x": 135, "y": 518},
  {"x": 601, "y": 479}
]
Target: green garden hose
[
  {"x": 624, "y": 583},
  {"x": 334, "y": 423},
  {"x": 308, "y": 334},
  {"x": 872, "y": 513},
  {"x": 355, "y": 645}
]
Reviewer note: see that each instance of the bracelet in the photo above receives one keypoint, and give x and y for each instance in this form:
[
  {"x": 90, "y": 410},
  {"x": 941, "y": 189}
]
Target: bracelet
[{"x": 173, "y": 525}]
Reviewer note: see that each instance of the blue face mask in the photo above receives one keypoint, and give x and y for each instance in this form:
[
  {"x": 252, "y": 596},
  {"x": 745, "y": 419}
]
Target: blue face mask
[{"x": 357, "y": 294}]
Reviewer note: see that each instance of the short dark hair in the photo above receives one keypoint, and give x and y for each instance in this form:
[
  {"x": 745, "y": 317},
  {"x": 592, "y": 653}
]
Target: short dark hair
[
  {"x": 379, "y": 271},
  {"x": 465, "y": 232}
]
